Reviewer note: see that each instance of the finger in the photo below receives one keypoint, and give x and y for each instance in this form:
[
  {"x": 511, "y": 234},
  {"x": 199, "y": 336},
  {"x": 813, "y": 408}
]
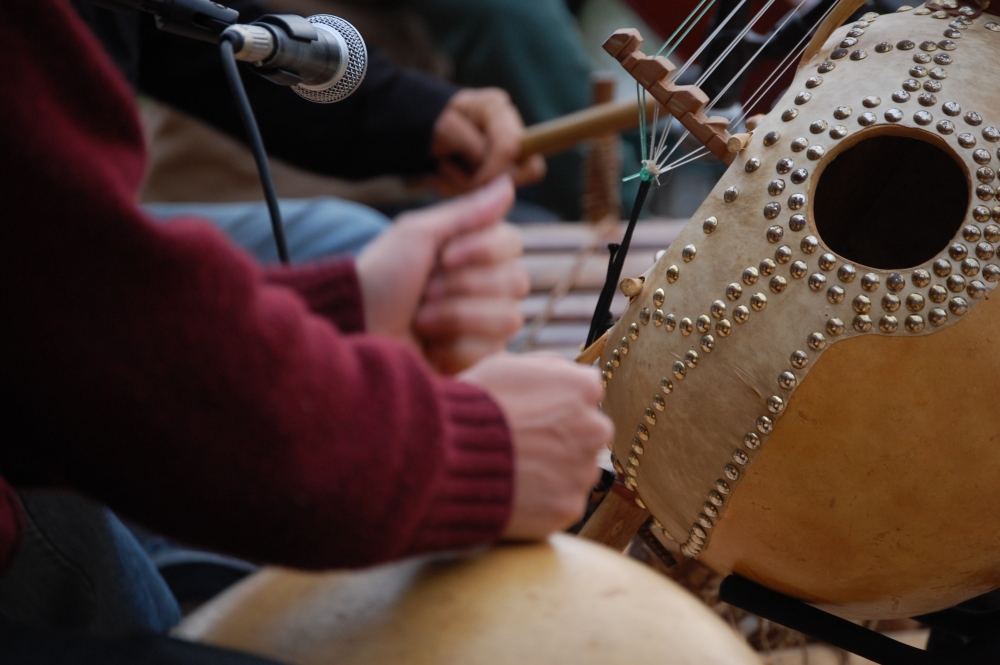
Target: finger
[
  {"x": 492, "y": 245},
  {"x": 451, "y": 180},
  {"x": 456, "y": 134},
  {"x": 529, "y": 171},
  {"x": 509, "y": 280},
  {"x": 504, "y": 131},
  {"x": 480, "y": 209},
  {"x": 456, "y": 317},
  {"x": 452, "y": 356}
]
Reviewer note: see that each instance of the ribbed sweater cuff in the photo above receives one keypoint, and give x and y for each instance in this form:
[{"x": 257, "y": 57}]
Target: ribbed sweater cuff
[
  {"x": 330, "y": 289},
  {"x": 475, "y": 496}
]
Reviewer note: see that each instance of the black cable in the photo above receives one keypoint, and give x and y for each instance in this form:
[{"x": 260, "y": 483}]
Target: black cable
[
  {"x": 603, "y": 320},
  {"x": 256, "y": 145}
]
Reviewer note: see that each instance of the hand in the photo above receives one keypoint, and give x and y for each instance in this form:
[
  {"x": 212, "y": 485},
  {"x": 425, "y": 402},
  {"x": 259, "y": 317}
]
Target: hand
[
  {"x": 444, "y": 278},
  {"x": 551, "y": 409},
  {"x": 481, "y": 130}
]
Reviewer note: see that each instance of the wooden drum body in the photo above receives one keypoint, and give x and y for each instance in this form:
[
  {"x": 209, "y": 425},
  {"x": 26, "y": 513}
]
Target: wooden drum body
[
  {"x": 569, "y": 601},
  {"x": 804, "y": 387}
]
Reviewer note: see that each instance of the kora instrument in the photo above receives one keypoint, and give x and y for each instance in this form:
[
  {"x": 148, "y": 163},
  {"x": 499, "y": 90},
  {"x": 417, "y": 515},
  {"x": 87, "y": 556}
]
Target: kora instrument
[
  {"x": 803, "y": 385},
  {"x": 566, "y": 601}
]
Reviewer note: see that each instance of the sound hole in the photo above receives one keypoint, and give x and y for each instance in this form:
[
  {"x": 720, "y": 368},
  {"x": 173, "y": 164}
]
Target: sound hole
[{"x": 890, "y": 202}]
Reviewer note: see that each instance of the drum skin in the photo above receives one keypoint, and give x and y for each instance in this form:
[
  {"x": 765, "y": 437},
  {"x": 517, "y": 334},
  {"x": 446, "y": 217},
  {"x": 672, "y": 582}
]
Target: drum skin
[
  {"x": 567, "y": 601},
  {"x": 786, "y": 412}
]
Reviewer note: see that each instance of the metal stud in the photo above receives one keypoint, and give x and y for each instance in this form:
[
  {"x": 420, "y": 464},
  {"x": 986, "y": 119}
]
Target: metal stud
[
  {"x": 814, "y": 82},
  {"x": 861, "y": 304},
  {"x": 888, "y": 324},
  {"x": 945, "y": 126},
  {"x": 883, "y": 47},
  {"x": 815, "y": 152},
  {"x": 893, "y": 115},
  {"x": 750, "y": 276},
  {"x": 842, "y": 112},
  {"x": 838, "y": 132},
  {"x": 784, "y": 165},
  {"x": 911, "y": 85},
  {"x": 862, "y": 323},
  {"x": 778, "y": 284},
  {"x": 644, "y": 316},
  {"x": 723, "y": 328},
  {"x": 787, "y": 381},
  {"x": 800, "y": 359},
  {"x": 730, "y": 194},
  {"x": 922, "y": 58},
  {"x": 937, "y": 293},
  {"x": 718, "y": 309},
  {"x": 958, "y": 251},
  {"x": 826, "y": 67},
  {"x": 734, "y": 291},
  {"x": 775, "y": 404},
  {"x": 847, "y": 273},
  {"x": 666, "y": 386},
  {"x": 765, "y": 425},
  {"x": 637, "y": 446},
  {"x": 758, "y": 302},
  {"x": 673, "y": 273},
  {"x": 976, "y": 289},
  {"x": 685, "y": 326},
  {"x": 992, "y": 232},
  {"x": 980, "y": 214},
  {"x": 616, "y": 358},
  {"x": 867, "y": 119},
  {"x": 752, "y": 165},
  {"x": 914, "y": 323},
  {"x": 991, "y": 272},
  {"x": 799, "y": 144},
  {"x": 914, "y": 302},
  {"x": 928, "y": 46},
  {"x": 871, "y": 101},
  {"x": 774, "y": 188},
  {"x": 895, "y": 282},
  {"x": 937, "y": 317},
  {"x": 870, "y": 282},
  {"x": 955, "y": 283},
  {"x": 952, "y": 33},
  {"x": 798, "y": 269},
  {"x": 767, "y": 267},
  {"x": 710, "y": 224},
  {"x": 848, "y": 42},
  {"x": 817, "y": 281},
  {"x": 984, "y": 251},
  {"x": 860, "y": 54},
  {"x": 818, "y": 126},
  {"x": 803, "y": 97},
  {"x": 941, "y": 267},
  {"x": 958, "y": 306},
  {"x": 650, "y": 416},
  {"x": 938, "y": 73},
  {"x": 633, "y": 331},
  {"x": 905, "y": 45},
  {"x": 809, "y": 244},
  {"x": 771, "y": 138},
  {"x": 900, "y": 97},
  {"x": 991, "y": 134},
  {"x": 943, "y": 59},
  {"x": 796, "y": 201},
  {"x": 658, "y": 297},
  {"x": 932, "y": 86},
  {"x": 658, "y": 318},
  {"x": 966, "y": 140},
  {"x": 710, "y": 510},
  {"x": 741, "y": 457},
  {"x": 688, "y": 253},
  {"x": 789, "y": 114},
  {"x": 973, "y": 119},
  {"x": 732, "y": 472},
  {"x": 609, "y": 370},
  {"x": 838, "y": 53},
  {"x": 659, "y": 403},
  {"x": 741, "y": 314},
  {"x": 923, "y": 118},
  {"x": 981, "y": 156},
  {"x": 716, "y": 498},
  {"x": 890, "y": 302},
  {"x": 947, "y": 45},
  {"x": 679, "y": 370},
  {"x": 918, "y": 71},
  {"x": 835, "y": 294},
  {"x": 834, "y": 327},
  {"x": 985, "y": 174},
  {"x": 827, "y": 261},
  {"x": 783, "y": 254},
  {"x": 707, "y": 343},
  {"x": 703, "y": 324},
  {"x": 926, "y": 99}
]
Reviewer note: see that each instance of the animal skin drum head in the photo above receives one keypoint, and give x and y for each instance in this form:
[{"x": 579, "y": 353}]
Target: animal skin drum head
[{"x": 804, "y": 387}]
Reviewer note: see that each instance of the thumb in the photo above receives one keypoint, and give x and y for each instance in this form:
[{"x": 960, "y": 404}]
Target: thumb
[{"x": 478, "y": 210}]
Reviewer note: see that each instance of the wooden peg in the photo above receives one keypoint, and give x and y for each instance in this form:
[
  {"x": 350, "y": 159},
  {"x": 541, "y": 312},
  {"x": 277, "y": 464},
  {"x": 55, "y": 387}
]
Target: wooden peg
[
  {"x": 738, "y": 142},
  {"x": 622, "y": 43},
  {"x": 632, "y": 286},
  {"x": 649, "y": 71}
]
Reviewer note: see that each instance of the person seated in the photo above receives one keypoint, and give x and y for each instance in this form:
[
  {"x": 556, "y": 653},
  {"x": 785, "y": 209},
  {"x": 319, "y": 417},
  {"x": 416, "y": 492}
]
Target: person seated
[{"x": 285, "y": 415}]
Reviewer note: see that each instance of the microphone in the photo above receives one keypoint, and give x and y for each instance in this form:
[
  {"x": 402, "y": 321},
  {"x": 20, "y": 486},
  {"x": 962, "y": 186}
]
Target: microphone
[{"x": 322, "y": 57}]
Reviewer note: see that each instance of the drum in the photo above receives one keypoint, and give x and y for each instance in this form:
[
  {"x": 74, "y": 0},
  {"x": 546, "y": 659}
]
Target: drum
[
  {"x": 803, "y": 387},
  {"x": 568, "y": 601}
]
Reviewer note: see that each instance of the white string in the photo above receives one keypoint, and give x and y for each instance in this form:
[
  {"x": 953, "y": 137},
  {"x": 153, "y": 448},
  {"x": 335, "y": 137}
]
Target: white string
[
  {"x": 769, "y": 82},
  {"x": 704, "y": 45},
  {"x": 733, "y": 44}
]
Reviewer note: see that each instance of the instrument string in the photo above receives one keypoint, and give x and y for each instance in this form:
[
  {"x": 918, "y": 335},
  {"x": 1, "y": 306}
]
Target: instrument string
[{"x": 757, "y": 95}]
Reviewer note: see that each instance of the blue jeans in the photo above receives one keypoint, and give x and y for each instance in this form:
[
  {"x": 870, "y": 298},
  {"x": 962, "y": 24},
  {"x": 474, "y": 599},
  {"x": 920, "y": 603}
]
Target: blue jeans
[{"x": 314, "y": 228}]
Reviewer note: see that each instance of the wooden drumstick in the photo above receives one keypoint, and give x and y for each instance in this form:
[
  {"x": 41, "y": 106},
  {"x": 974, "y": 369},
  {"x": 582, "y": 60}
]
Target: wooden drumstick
[{"x": 562, "y": 133}]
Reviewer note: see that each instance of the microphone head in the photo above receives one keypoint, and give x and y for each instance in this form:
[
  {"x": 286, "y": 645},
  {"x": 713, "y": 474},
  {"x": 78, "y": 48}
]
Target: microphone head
[{"x": 353, "y": 63}]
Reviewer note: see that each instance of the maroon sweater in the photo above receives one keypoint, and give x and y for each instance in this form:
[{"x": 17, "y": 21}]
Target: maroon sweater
[{"x": 159, "y": 370}]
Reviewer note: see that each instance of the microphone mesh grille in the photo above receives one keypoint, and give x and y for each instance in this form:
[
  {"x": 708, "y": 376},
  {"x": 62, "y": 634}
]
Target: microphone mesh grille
[{"x": 357, "y": 63}]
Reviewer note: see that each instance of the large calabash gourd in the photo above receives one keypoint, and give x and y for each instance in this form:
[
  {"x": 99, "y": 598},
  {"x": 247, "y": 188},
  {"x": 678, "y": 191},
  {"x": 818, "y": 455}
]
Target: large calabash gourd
[{"x": 804, "y": 389}]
